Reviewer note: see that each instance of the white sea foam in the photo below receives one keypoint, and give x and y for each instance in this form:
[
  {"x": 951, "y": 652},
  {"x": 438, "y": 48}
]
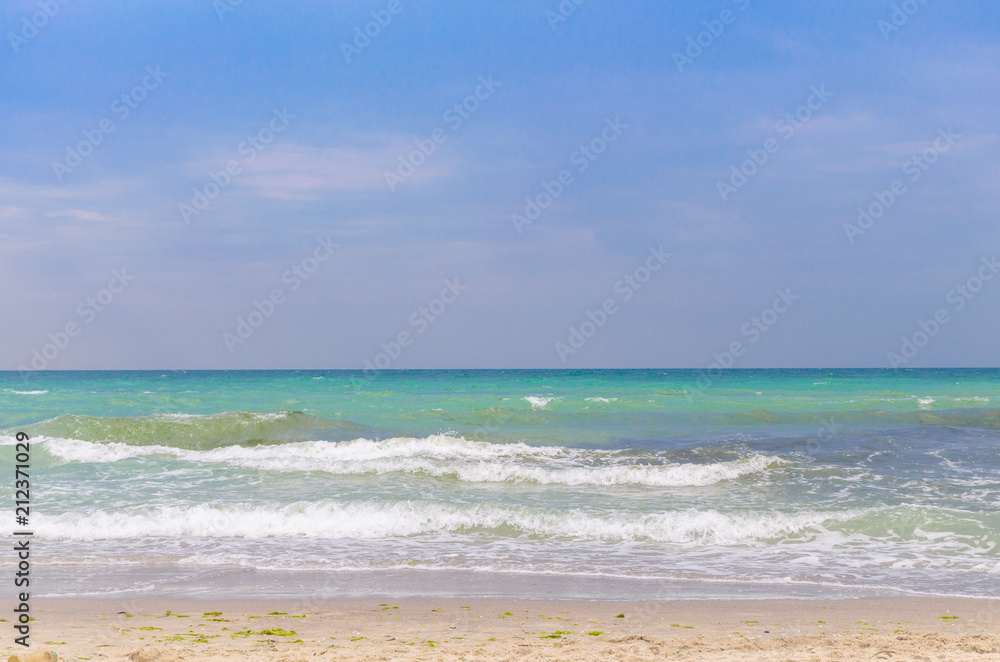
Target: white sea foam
[
  {"x": 601, "y": 399},
  {"x": 538, "y": 401},
  {"x": 239, "y": 416},
  {"x": 367, "y": 520},
  {"x": 441, "y": 456},
  {"x": 10, "y": 390}
]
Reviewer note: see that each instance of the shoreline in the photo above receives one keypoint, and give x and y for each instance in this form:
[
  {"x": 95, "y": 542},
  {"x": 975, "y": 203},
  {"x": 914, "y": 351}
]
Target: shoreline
[
  {"x": 164, "y": 629},
  {"x": 228, "y": 583}
]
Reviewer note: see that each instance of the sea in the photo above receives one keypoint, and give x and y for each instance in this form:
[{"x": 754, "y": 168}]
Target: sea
[{"x": 600, "y": 484}]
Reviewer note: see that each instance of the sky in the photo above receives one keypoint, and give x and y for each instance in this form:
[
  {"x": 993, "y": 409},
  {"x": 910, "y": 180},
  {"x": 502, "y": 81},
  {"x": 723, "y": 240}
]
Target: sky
[{"x": 190, "y": 184}]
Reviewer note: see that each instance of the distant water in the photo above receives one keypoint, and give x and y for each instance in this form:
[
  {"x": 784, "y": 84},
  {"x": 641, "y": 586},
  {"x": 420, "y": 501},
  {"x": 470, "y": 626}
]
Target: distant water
[{"x": 777, "y": 479}]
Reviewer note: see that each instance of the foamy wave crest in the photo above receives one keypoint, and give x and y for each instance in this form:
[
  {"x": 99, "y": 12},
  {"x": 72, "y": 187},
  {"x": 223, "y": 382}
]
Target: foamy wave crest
[
  {"x": 404, "y": 519},
  {"x": 197, "y": 431},
  {"x": 442, "y": 456},
  {"x": 538, "y": 401},
  {"x": 10, "y": 390}
]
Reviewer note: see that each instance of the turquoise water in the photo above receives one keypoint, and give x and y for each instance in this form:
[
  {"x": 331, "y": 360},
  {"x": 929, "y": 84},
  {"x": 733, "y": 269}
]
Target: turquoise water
[{"x": 775, "y": 479}]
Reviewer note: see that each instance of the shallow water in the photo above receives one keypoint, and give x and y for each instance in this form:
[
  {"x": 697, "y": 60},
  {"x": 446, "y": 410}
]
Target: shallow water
[{"x": 770, "y": 482}]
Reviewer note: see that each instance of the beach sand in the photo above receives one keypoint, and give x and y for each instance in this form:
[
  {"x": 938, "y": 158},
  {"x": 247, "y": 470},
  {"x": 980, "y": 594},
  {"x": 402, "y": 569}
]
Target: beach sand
[{"x": 163, "y": 630}]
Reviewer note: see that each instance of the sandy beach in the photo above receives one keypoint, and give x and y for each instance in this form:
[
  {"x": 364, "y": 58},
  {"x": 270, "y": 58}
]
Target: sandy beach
[{"x": 163, "y": 630}]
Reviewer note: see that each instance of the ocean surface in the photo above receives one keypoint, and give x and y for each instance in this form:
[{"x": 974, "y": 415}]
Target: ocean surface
[{"x": 600, "y": 483}]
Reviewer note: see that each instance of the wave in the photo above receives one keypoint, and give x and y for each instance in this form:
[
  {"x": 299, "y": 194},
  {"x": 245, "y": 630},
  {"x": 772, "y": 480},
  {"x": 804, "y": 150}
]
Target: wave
[
  {"x": 367, "y": 520},
  {"x": 442, "y": 456},
  {"x": 891, "y": 538},
  {"x": 538, "y": 401},
  {"x": 197, "y": 431},
  {"x": 975, "y": 414},
  {"x": 16, "y": 392},
  {"x": 974, "y": 417},
  {"x": 248, "y": 428}
]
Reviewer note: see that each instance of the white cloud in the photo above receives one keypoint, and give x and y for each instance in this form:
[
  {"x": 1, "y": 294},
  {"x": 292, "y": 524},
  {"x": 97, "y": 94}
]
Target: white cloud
[
  {"x": 292, "y": 171},
  {"x": 79, "y": 214}
]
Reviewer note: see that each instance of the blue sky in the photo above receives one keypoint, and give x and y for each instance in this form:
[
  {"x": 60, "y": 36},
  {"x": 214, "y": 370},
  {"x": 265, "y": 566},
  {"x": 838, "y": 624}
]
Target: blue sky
[{"x": 886, "y": 96}]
